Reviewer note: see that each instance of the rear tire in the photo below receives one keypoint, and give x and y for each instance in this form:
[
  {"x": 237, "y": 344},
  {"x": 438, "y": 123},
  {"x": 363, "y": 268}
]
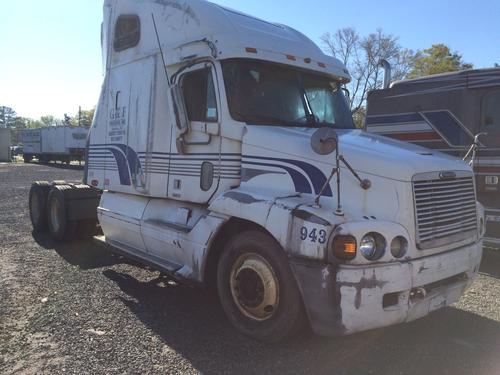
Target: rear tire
[
  {"x": 60, "y": 227},
  {"x": 257, "y": 289},
  {"x": 38, "y": 205},
  {"x": 27, "y": 158}
]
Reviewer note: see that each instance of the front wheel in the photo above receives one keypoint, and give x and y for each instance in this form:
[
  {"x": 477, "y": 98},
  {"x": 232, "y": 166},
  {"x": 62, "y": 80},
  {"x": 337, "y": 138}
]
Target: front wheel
[{"x": 257, "y": 289}]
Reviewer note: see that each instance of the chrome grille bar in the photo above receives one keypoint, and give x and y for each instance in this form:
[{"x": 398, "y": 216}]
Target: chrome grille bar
[{"x": 445, "y": 209}]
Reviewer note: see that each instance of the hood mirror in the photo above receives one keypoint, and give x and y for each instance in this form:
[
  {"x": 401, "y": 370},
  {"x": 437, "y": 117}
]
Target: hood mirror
[{"x": 324, "y": 141}]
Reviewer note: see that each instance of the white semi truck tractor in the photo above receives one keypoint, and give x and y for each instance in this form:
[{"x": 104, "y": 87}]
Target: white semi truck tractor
[{"x": 223, "y": 153}]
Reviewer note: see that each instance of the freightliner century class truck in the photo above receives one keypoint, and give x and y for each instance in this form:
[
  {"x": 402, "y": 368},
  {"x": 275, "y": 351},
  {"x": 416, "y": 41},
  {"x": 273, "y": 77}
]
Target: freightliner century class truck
[{"x": 223, "y": 153}]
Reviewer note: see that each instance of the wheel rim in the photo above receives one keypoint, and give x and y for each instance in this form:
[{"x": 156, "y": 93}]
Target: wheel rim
[
  {"x": 55, "y": 214},
  {"x": 254, "y": 287},
  {"x": 35, "y": 208}
]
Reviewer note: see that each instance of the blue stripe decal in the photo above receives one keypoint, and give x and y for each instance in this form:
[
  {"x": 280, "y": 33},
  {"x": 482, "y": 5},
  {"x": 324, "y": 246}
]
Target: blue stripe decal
[
  {"x": 123, "y": 170},
  {"x": 317, "y": 177},
  {"x": 300, "y": 182},
  {"x": 452, "y": 131},
  {"x": 134, "y": 164},
  {"x": 393, "y": 119},
  {"x": 129, "y": 162}
]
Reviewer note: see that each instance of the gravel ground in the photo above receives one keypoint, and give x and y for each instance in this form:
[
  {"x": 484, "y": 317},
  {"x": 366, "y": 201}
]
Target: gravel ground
[{"x": 78, "y": 309}]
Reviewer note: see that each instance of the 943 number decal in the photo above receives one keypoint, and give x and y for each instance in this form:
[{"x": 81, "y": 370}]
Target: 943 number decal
[{"x": 313, "y": 235}]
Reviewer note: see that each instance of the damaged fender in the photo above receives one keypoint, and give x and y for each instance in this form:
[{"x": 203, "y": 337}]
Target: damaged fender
[{"x": 299, "y": 230}]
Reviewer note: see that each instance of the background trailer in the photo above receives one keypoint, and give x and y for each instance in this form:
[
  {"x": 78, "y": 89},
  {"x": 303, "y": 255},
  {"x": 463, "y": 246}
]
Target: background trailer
[{"x": 55, "y": 143}]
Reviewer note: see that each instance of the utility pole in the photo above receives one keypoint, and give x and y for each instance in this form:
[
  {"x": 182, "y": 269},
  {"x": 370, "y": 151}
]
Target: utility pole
[{"x": 79, "y": 115}]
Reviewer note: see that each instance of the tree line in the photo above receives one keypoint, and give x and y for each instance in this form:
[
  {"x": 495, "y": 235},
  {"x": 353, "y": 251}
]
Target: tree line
[
  {"x": 362, "y": 56},
  {"x": 10, "y": 119}
]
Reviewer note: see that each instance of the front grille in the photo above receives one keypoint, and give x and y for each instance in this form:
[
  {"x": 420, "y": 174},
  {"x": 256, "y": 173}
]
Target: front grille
[{"x": 445, "y": 209}]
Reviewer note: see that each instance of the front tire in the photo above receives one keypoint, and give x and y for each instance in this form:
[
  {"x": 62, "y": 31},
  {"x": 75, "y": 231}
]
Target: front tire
[{"x": 257, "y": 289}]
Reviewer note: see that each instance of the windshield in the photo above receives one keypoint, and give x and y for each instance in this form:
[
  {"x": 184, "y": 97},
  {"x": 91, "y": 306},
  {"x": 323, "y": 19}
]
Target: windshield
[{"x": 263, "y": 93}]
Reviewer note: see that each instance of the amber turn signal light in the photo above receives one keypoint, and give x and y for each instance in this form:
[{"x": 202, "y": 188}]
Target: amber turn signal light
[{"x": 344, "y": 247}]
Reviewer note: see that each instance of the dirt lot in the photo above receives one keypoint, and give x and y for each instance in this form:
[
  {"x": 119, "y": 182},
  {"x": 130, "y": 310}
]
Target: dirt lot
[{"x": 78, "y": 309}]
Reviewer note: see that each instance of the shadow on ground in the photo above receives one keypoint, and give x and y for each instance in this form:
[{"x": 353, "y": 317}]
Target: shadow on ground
[
  {"x": 490, "y": 265},
  {"x": 191, "y": 322},
  {"x": 74, "y": 167},
  {"x": 84, "y": 254}
]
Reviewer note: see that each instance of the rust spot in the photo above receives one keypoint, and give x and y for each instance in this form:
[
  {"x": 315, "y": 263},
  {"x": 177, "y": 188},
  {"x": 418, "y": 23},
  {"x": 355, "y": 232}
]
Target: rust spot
[
  {"x": 242, "y": 197},
  {"x": 307, "y": 216},
  {"x": 364, "y": 283},
  {"x": 422, "y": 269}
]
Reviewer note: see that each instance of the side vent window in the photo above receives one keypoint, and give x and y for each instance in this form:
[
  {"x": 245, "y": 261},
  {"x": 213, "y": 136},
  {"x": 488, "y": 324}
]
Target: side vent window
[
  {"x": 199, "y": 95},
  {"x": 127, "y": 32}
]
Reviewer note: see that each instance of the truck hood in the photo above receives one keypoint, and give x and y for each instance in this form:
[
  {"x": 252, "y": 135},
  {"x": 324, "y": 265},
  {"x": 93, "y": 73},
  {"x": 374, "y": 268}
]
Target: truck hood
[{"x": 367, "y": 153}]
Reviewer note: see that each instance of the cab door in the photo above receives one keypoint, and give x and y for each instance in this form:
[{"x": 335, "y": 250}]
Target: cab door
[{"x": 195, "y": 163}]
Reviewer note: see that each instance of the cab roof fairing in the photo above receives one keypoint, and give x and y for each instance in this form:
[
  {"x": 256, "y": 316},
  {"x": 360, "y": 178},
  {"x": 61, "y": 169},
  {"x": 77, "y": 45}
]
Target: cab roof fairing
[{"x": 182, "y": 22}]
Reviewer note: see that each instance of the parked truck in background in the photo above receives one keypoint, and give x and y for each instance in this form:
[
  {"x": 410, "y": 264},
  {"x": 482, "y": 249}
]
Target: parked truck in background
[
  {"x": 223, "y": 153},
  {"x": 55, "y": 143},
  {"x": 444, "y": 113}
]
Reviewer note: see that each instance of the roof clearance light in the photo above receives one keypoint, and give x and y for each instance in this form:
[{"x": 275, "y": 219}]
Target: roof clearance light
[
  {"x": 307, "y": 60},
  {"x": 251, "y": 50},
  {"x": 321, "y": 65},
  {"x": 291, "y": 57}
]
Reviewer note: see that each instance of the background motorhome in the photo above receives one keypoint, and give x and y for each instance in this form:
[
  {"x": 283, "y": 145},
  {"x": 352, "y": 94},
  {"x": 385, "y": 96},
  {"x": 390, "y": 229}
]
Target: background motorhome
[
  {"x": 55, "y": 143},
  {"x": 444, "y": 112},
  {"x": 5, "y": 143}
]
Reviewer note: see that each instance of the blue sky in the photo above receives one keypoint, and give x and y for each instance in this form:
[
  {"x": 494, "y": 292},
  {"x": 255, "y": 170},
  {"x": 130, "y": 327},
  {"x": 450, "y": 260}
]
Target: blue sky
[{"x": 50, "y": 59}]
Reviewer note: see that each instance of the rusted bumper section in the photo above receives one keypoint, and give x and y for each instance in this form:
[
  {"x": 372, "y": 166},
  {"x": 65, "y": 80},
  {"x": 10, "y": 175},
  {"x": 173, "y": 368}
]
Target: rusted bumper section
[{"x": 342, "y": 300}]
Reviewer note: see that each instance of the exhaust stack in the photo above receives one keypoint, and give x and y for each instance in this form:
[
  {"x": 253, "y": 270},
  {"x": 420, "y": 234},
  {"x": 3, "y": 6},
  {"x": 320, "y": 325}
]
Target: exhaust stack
[{"x": 387, "y": 73}]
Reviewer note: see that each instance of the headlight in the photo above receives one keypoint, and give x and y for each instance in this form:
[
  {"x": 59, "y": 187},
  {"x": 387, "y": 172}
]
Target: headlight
[
  {"x": 399, "y": 247},
  {"x": 372, "y": 246},
  {"x": 368, "y": 247}
]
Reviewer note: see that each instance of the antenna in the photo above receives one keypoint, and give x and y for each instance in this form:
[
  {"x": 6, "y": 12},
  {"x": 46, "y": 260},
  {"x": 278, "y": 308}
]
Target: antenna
[{"x": 161, "y": 49}]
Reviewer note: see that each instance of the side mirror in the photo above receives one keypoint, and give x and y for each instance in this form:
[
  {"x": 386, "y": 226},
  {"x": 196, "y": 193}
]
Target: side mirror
[
  {"x": 181, "y": 118},
  {"x": 180, "y": 112},
  {"x": 324, "y": 141},
  {"x": 347, "y": 93}
]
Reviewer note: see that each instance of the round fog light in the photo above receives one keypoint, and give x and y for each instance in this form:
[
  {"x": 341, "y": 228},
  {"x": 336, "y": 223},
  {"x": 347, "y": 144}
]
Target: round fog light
[{"x": 399, "y": 246}]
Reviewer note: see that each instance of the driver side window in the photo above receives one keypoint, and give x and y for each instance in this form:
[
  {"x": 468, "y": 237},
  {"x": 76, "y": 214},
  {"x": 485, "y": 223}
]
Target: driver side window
[
  {"x": 199, "y": 96},
  {"x": 491, "y": 113}
]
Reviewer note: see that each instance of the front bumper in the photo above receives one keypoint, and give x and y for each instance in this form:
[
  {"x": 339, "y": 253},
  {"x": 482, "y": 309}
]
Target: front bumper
[{"x": 342, "y": 300}]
